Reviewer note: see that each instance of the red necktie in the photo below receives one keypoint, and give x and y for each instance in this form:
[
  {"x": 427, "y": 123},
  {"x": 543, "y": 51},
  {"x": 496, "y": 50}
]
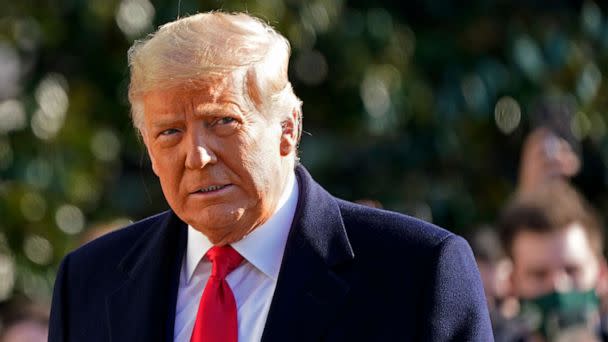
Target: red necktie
[{"x": 216, "y": 318}]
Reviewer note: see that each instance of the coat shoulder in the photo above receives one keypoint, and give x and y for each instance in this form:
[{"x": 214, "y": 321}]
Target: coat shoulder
[
  {"x": 390, "y": 228},
  {"x": 420, "y": 269}
]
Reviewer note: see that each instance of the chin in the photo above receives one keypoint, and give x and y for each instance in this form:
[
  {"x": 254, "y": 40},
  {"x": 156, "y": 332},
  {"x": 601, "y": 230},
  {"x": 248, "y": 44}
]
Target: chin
[{"x": 216, "y": 218}]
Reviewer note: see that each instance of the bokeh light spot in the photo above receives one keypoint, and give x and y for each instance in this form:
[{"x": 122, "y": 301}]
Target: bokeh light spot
[
  {"x": 27, "y": 33},
  {"x": 528, "y": 57},
  {"x": 375, "y": 96},
  {"x": 589, "y": 82},
  {"x": 376, "y": 87},
  {"x": 34, "y": 285},
  {"x": 316, "y": 15},
  {"x": 591, "y": 18},
  {"x": 33, "y": 206},
  {"x": 12, "y": 116},
  {"x": 70, "y": 219},
  {"x": 301, "y": 36},
  {"x": 51, "y": 95},
  {"x": 475, "y": 94},
  {"x": 402, "y": 45},
  {"x": 10, "y": 71},
  {"x": 7, "y": 276},
  {"x": 105, "y": 145},
  {"x": 39, "y": 173},
  {"x": 580, "y": 125},
  {"x": 507, "y": 114},
  {"x": 134, "y": 17},
  {"x": 82, "y": 188},
  {"x": 311, "y": 67},
  {"x": 38, "y": 249}
]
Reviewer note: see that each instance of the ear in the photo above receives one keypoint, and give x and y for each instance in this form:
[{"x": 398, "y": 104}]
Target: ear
[{"x": 289, "y": 134}]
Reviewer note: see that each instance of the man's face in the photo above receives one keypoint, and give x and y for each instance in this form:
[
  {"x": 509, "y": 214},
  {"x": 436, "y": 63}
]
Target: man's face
[
  {"x": 220, "y": 163},
  {"x": 556, "y": 261}
]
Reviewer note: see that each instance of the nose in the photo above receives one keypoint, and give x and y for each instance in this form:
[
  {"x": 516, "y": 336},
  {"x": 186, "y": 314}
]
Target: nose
[
  {"x": 561, "y": 281},
  {"x": 199, "y": 154}
]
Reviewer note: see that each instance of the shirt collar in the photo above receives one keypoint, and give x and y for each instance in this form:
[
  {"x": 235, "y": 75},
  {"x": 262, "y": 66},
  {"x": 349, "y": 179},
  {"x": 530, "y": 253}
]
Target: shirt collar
[{"x": 263, "y": 247}]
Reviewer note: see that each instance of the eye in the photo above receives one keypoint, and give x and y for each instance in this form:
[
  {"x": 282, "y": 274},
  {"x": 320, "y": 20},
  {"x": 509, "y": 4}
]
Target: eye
[
  {"x": 225, "y": 121},
  {"x": 224, "y": 126},
  {"x": 538, "y": 274},
  {"x": 572, "y": 270},
  {"x": 169, "y": 132}
]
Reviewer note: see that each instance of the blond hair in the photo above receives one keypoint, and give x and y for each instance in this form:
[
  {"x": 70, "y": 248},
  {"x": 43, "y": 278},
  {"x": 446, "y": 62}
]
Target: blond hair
[{"x": 204, "y": 47}]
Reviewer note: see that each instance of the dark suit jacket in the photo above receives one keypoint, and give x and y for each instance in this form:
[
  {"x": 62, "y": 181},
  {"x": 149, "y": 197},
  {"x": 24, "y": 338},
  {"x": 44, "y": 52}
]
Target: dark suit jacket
[{"x": 349, "y": 273}]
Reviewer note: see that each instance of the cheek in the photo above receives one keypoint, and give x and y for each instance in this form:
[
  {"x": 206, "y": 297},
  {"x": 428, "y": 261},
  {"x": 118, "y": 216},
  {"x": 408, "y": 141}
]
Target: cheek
[
  {"x": 256, "y": 176},
  {"x": 169, "y": 185},
  {"x": 259, "y": 159},
  {"x": 590, "y": 275},
  {"x": 167, "y": 168},
  {"x": 524, "y": 282}
]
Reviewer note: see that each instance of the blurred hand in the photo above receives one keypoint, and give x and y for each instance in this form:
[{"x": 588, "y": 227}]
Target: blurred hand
[{"x": 545, "y": 156}]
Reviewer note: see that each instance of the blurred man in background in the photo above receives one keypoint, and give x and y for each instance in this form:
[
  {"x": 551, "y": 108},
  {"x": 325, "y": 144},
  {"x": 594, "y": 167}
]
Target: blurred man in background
[
  {"x": 555, "y": 241},
  {"x": 495, "y": 269},
  {"x": 546, "y": 156},
  {"x": 22, "y": 320}
]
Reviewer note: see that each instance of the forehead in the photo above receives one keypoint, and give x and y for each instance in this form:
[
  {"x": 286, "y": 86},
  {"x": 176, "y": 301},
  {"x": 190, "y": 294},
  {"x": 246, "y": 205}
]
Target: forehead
[
  {"x": 195, "y": 96},
  {"x": 567, "y": 246}
]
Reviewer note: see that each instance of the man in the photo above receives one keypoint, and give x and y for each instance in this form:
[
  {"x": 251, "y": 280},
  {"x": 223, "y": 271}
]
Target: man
[
  {"x": 555, "y": 241},
  {"x": 22, "y": 320},
  {"x": 495, "y": 269},
  {"x": 251, "y": 249}
]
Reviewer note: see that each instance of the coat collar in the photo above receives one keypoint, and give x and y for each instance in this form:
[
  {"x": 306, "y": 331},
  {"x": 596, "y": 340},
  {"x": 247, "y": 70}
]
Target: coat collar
[
  {"x": 309, "y": 290},
  {"x": 143, "y": 307}
]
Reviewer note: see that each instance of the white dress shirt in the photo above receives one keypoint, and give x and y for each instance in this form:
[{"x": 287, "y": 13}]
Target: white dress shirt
[{"x": 253, "y": 282}]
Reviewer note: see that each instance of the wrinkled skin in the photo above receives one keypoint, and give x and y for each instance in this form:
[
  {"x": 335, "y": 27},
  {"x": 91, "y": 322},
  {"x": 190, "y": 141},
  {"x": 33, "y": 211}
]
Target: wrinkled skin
[{"x": 209, "y": 137}]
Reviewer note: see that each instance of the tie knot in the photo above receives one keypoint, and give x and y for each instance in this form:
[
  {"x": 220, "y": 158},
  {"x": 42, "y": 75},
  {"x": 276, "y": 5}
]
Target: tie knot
[{"x": 224, "y": 259}]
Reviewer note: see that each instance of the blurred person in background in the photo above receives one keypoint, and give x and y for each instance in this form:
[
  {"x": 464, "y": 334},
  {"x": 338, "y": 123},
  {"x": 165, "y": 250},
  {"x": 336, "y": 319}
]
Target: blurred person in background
[
  {"x": 21, "y": 320},
  {"x": 553, "y": 151},
  {"x": 495, "y": 268},
  {"x": 546, "y": 156},
  {"x": 102, "y": 228},
  {"x": 369, "y": 202},
  {"x": 253, "y": 248},
  {"x": 555, "y": 241}
]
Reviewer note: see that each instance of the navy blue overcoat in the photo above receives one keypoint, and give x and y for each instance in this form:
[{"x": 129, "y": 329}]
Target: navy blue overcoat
[{"x": 349, "y": 273}]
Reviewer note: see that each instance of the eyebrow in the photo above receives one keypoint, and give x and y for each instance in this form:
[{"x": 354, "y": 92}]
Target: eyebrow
[
  {"x": 212, "y": 109},
  {"x": 164, "y": 123},
  {"x": 202, "y": 110}
]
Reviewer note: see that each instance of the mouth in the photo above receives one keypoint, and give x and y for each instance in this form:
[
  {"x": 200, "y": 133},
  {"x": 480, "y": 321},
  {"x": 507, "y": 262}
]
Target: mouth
[{"x": 211, "y": 189}]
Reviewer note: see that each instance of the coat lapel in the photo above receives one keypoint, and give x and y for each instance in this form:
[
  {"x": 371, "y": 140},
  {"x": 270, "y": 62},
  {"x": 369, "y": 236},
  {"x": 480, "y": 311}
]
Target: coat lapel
[
  {"x": 309, "y": 290},
  {"x": 143, "y": 307}
]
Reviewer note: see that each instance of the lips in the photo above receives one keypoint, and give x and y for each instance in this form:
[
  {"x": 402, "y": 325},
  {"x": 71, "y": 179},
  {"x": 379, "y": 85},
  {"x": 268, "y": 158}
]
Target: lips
[{"x": 210, "y": 189}]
